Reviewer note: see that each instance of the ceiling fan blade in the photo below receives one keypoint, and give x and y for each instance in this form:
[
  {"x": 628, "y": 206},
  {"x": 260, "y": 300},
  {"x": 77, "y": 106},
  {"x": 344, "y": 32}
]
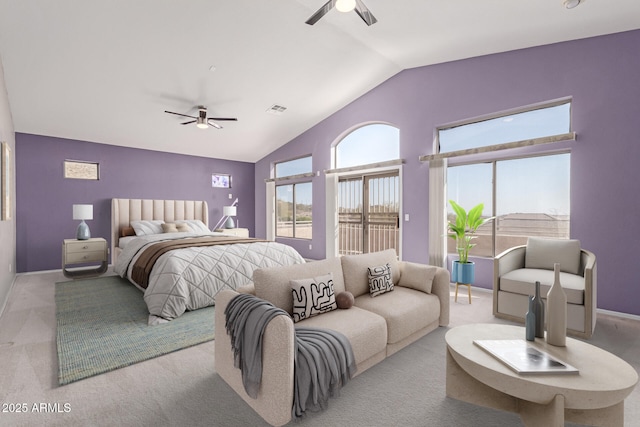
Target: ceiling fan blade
[
  {"x": 228, "y": 119},
  {"x": 364, "y": 13},
  {"x": 321, "y": 12},
  {"x": 178, "y": 114},
  {"x": 189, "y": 122},
  {"x": 210, "y": 122}
]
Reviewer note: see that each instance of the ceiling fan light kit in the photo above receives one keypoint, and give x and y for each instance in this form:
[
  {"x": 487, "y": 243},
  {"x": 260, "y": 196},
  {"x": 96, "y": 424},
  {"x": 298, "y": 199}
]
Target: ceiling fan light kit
[
  {"x": 344, "y": 6},
  {"x": 201, "y": 121}
]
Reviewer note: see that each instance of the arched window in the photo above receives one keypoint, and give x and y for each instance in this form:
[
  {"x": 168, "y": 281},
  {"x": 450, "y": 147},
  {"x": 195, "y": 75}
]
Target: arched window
[
  {"x": 368, "y": 190},
  {"x": 368, "y": 144}
]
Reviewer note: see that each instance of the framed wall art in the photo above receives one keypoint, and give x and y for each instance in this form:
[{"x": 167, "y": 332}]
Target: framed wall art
[
  {"x": 79, "y": 169},
  {"x": 221, "y": 180},
  {"x": 6, "y": 181}
]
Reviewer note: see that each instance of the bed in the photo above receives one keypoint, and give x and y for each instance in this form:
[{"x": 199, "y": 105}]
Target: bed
[{"x": 165, "y": 248}]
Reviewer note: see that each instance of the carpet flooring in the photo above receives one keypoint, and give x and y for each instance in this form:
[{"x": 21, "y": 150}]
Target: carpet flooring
[
  {"x": 182, "y": 388},
  {"x": 102, "y": 326}
]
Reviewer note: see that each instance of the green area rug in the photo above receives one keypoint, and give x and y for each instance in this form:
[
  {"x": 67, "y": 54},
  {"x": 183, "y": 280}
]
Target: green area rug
[{"x": 102, "y": 326}]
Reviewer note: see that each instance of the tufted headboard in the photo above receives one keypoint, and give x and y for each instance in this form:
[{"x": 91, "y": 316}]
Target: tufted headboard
[{"x": 123, "y": 211}]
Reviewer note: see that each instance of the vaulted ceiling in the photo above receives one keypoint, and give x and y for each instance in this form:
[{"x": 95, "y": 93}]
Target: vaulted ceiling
[{"x": 105, "y": 71}]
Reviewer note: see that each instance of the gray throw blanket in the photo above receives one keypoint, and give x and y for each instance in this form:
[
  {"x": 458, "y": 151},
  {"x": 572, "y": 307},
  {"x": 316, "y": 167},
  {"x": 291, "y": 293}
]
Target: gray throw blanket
[{"x": 323, "y": 361}]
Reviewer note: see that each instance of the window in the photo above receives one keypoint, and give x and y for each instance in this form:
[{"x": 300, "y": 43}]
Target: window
[
  {"x": 531, "y": 199},
  {"x": 293, "y": 210},
  {"x": 553, "y": 119},
  {"x": 368, "y": 213},
  {"x": 368, "y": 194},
  {"x": 367, "y": 145},
  {"x": 528, "y": 196},
  {"x": 289, "y": 168},
  {"x": 293, "y": 199},
  {"x": 469, "y": 185}
]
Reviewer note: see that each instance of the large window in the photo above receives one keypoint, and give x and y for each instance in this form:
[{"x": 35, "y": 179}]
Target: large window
[
  {"x": 528, "y": 195},
  {"x": 294, "y": 217},
  {"x": 550, "y": 120},
  {"x": 294, "y": 199},
  {"x": 368, "y": 196},
  {"x": 531, "y": 199}
]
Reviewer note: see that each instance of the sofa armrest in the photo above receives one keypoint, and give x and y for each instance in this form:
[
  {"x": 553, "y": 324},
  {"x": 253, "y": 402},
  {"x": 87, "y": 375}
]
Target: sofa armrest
[
  {"x": 441, "y": 288},
  {"x": 590, "y": 273},
  {"x": 275, "y": 397},
  {"x": 509, "y": 260},
  {"x": 439, "y": 285},
  {"x": 248, "y": 288}
]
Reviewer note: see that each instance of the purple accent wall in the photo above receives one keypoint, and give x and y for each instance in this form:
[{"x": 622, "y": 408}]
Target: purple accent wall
[
  {"x": 44, "y": 198},
  {"x": 600, "y": 74}
]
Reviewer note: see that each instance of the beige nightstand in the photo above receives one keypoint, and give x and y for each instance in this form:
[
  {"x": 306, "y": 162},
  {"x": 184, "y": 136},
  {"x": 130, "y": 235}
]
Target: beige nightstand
[
  {"x": 89, "y": 251},
  {"x": 240, "y": 232}
]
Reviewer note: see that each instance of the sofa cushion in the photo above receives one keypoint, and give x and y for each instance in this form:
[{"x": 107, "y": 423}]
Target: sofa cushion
[
  {"x": 366, "y": 331},
  {"x": 273, "y": 284},
  {"x": 355, "y": 271},
  {"x": 405, "y": 310},
  {"x": 312, "y": 297},
  {"x": 417, "y": 276},
  {"x": 522, "y": 281},
  {"x": 543, "y": 253},
  {"x": 379, "y": 280}
]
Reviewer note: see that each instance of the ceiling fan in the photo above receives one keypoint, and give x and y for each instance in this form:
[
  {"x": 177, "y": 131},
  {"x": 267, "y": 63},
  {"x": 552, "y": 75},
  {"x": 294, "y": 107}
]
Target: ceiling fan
[
  {"x": 202, "y": 121},
  {"x": 344, "y": 6}
]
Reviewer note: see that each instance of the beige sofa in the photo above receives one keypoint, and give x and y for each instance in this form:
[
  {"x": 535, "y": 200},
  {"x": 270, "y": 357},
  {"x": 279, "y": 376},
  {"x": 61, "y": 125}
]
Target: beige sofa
[{"x": 376, "y": 327}]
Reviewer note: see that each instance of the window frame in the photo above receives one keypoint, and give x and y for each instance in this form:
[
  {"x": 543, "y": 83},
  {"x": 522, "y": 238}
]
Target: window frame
[
  {"x": 294, "y": 176},
  {"x": 494, "y": 184},
  {"x": 569, "y": 136},
  {"x": 294, "y": 208}
]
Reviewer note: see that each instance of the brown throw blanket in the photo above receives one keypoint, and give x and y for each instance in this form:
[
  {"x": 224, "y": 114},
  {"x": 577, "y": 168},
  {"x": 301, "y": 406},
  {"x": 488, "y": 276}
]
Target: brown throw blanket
[
  {"x": 145, "y": 262},
  {"x": 323, "y": 363}
]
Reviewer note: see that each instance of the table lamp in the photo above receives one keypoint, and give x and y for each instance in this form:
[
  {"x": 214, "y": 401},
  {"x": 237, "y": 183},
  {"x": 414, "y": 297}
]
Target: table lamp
[
  {"x": 83, "y": 212},
  {"x": 229, "y": 212}
]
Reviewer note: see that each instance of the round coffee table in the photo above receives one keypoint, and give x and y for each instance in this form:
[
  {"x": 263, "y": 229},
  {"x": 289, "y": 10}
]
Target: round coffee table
[{"x": 595, "y": 396}]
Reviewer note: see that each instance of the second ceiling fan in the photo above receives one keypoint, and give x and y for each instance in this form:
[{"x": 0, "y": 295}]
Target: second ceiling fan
[
  {"x": 202, "y": 121},
  {"x": 344, "y": 6}
]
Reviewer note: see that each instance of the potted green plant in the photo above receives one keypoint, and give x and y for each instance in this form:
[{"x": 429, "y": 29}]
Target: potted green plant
[{"x": 463, "y": 231}]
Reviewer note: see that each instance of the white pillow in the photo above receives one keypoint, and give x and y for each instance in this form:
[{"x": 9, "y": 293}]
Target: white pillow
[
  {"x": 312, "y": 297},
  {"x": 380, "y": 280},
  {"x": 146, "y": 227},
  {"x": 196, "y": 225}
]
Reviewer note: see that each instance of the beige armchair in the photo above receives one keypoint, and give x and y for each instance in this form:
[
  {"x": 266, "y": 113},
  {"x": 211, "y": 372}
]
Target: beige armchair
[{"x": 516, "y": 270}]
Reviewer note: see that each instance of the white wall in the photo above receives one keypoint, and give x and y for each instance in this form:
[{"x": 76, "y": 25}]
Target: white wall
[{"x": 7, "y": 228}]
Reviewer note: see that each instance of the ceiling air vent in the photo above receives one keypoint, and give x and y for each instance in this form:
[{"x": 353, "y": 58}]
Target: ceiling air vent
[{"x": 276, "y": 109}]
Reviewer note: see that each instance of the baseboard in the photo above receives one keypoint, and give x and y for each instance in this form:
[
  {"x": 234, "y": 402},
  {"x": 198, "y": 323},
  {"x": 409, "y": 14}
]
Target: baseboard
[
  {"x": 30, "y": 273},
  {"x": 618, "y": 314}
]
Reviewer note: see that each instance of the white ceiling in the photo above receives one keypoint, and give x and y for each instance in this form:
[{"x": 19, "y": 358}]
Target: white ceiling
[{"x": 105, "y": 71}]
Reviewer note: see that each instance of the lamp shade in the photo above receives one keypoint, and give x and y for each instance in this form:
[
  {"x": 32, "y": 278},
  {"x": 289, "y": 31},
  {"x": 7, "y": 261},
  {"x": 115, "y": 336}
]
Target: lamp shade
[
  {"x": 229, "y": 211},
  {"x": 82, "y": 212}
]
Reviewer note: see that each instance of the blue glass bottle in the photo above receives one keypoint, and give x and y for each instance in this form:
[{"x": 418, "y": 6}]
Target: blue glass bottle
[
  {"x": 538, "y": 309},
  {"x": 530, "y": 322}
]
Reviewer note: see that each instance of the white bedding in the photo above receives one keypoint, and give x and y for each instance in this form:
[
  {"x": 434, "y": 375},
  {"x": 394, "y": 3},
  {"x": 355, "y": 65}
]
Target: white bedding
[{"x": 190, "y": 278}]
